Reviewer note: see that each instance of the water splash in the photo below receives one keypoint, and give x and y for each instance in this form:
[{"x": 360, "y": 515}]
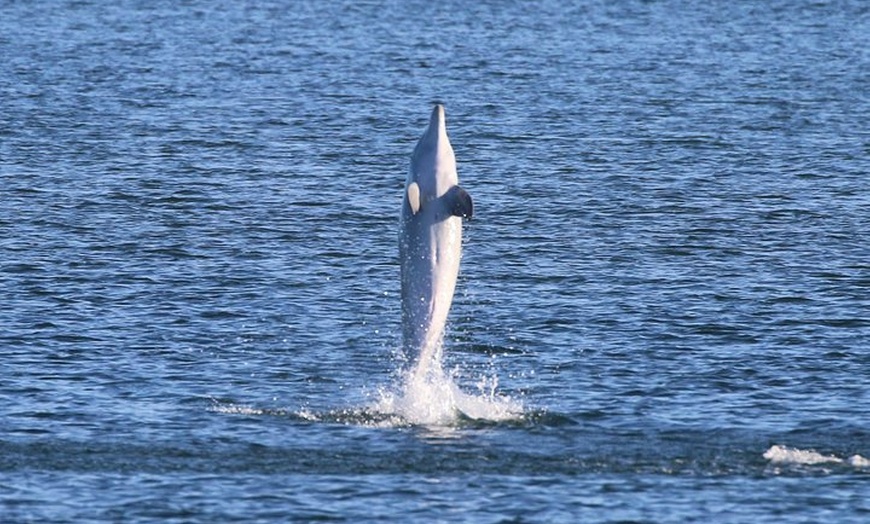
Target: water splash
[{"x": 429, "y": 396}]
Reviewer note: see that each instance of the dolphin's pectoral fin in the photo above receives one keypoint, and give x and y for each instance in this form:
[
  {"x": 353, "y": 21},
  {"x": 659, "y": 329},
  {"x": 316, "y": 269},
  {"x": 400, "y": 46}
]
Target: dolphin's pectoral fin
[
  {"x": 414, "y": 197},
  {"x": 460, "y": 204}
]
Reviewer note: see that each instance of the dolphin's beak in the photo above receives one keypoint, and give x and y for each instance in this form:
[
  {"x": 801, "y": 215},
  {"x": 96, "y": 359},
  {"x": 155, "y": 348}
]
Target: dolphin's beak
[{"x": 436, "y": 121}]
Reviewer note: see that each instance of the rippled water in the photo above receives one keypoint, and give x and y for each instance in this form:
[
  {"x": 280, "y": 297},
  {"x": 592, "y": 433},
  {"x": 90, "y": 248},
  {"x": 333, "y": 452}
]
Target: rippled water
[{"x": 663, "y": 308}]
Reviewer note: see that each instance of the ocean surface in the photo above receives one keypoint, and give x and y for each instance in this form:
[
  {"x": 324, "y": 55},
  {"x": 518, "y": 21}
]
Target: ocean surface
[{"x": 663, "y": 312}]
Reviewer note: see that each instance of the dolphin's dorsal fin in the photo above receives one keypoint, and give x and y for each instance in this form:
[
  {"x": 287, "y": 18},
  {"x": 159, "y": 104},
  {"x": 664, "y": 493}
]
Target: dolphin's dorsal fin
[
  {"x": 414, "y": 197},
  {"x": 460, "y": 204}
]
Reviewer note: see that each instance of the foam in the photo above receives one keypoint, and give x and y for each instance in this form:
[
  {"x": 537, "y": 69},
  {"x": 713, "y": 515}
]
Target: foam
[{"x": 236, "y": 409}]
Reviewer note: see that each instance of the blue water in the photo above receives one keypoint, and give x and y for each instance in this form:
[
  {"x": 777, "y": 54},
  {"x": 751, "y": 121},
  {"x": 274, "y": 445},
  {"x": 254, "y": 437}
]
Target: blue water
[{"x": 663, "y": 312}]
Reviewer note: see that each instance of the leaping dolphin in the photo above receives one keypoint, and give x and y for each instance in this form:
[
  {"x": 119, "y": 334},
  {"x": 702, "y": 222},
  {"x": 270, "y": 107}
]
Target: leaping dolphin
[{"x": 430, "y": 242}]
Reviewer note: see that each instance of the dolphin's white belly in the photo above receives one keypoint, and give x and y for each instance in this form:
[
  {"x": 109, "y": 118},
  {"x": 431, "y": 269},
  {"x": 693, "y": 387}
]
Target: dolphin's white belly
[
  {"x": 429, "y": 270},
  {"x": 430, "y": 240}
]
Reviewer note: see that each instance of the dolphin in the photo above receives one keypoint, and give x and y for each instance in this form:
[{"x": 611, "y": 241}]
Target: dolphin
[{"x": 430, "y": 242}]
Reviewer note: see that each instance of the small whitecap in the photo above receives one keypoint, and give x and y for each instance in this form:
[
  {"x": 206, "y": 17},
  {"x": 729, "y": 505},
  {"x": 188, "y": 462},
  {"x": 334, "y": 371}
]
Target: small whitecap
[{"x": 785, "y": 455}]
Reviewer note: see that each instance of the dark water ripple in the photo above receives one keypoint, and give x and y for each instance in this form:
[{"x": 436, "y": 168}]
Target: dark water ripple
[{"x": 668, "y": 268}]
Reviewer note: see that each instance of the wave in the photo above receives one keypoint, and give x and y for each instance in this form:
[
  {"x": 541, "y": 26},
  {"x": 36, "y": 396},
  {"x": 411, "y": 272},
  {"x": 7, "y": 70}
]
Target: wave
[{"x": 783, "y": 455}]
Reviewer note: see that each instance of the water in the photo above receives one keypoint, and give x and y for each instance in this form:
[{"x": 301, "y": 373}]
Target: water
[{"x": 662, "y": 314}]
